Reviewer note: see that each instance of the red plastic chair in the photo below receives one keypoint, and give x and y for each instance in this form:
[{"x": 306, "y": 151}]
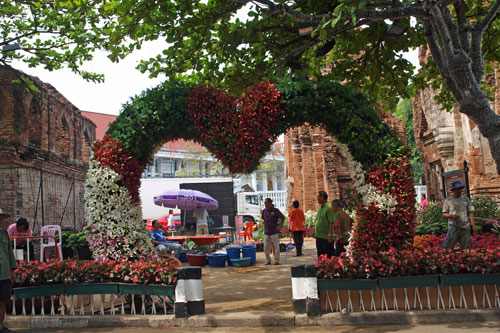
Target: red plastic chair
[{"x": 247, "y": 233}]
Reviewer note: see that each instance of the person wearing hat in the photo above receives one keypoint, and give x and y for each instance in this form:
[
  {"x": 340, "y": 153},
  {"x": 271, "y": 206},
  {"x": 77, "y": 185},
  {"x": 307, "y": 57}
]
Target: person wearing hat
[
  {"x": 458, "y": 210},
  {"x": 7, "y": 267}
]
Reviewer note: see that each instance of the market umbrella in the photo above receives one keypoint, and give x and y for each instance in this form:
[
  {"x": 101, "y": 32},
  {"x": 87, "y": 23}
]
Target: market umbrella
[{"x": 185, "y": 199}]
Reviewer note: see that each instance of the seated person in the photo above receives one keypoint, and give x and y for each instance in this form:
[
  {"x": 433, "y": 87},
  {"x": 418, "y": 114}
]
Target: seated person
[
  {"x": 159, "y": 241},
  {"x": 21, "y": 228}
]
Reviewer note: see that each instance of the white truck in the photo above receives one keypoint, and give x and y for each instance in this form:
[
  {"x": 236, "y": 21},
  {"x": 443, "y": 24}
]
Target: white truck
[
  {"x": 246, "y": 204},
  {"x": 249, "y": 205}
]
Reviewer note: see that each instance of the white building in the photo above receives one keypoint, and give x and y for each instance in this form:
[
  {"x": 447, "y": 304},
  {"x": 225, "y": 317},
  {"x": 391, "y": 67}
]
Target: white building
[{"x": 182, "y": 158}]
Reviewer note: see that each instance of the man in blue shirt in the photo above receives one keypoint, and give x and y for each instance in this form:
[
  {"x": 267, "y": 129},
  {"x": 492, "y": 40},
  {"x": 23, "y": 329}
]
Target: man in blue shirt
[{"x": 159, "y": 241}]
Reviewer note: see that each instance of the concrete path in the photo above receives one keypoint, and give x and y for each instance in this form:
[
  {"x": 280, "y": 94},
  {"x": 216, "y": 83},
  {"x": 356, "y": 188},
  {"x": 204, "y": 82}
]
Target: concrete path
[
  {"x": 255, "y": 288},
  {"x": 485, "y": 327}
]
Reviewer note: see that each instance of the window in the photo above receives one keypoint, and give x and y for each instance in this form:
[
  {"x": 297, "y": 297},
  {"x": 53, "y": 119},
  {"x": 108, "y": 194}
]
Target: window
[{"x": 251, "y": 199}]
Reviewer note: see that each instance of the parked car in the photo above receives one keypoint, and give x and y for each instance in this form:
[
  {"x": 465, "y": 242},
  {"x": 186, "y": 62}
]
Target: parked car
[{"x": 164, "y": 221}]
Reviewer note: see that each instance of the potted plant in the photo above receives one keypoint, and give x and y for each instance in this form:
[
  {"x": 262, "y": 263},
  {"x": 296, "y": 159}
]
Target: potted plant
[
  {"x": 78, "y": 243},
  {"x": 67, "y": 251}
]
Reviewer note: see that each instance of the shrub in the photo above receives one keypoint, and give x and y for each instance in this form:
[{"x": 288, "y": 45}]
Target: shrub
[
  {"x": 432, "y": 220},
  {"x": 485, "y": 207}
]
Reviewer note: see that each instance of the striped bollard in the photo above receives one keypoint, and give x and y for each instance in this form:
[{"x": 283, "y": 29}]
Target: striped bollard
[
  {"x": 305, "y": 290},
  {"x": 189, "y": 293}
]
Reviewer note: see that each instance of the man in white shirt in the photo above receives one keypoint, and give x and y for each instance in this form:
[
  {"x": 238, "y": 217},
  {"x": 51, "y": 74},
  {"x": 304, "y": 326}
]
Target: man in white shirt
[
  {"x": 458, "y": 210},
  {"x": 200, "y": 215}
]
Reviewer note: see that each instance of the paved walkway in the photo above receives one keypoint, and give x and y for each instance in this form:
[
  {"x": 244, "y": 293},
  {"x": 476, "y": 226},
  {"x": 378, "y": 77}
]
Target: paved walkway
[
  {"x": 255, "y": 288},
  {"x": 485, "y": 327}
]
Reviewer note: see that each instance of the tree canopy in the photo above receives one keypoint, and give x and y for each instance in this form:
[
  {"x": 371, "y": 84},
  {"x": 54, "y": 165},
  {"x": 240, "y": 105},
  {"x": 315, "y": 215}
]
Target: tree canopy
[
  {"x": 52, "y": 34},
  {"x": 238, "y": 42}
]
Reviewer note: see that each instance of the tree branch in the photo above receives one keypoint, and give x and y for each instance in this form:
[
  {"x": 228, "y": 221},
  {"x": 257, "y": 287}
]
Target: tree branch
[
  {"x": 452, "y": 28},
  {"x": 476, "y": 55},
  {"x": 283, "y": 8},
  {"x": 296, "y": 51},
  {"x": 488, "y": 18},
  {"x": 392, "y": 13},
  {"x": 461, "y": 9},
  {"x": 438, "y": 59},
  {"x": 439, "y": 28}
]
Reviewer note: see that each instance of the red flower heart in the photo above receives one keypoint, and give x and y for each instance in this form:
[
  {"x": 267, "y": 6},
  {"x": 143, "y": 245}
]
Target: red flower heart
[{"x": 236, "y": 130}]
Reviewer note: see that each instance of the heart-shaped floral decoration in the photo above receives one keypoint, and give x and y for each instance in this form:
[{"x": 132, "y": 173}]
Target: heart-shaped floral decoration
[{"x": 236, "y": 130}]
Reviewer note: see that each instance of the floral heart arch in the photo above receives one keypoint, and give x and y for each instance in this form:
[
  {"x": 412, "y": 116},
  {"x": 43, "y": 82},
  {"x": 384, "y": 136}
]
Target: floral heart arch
[{"x": 237, "y": 130}]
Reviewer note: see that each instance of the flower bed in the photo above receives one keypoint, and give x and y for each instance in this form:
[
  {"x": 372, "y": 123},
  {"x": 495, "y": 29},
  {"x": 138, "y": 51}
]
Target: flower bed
[
  {"x": 160, "y": 272},
  {"x": 487, "y": 240},
  {"x": 417, "y": 279},
  {"x": 409, "y": 263}
]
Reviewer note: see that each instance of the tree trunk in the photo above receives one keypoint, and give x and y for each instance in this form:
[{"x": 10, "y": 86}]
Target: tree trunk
[{"x": 478, "y": 109}]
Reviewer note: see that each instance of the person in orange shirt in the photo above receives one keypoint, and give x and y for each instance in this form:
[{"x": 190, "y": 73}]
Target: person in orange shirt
[{"x": 297, "y": 219}]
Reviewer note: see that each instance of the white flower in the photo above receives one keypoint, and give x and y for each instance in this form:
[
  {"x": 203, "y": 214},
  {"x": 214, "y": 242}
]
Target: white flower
[
  {"x": 112, "y": 218},
  {"x": 369, "y": 193}
]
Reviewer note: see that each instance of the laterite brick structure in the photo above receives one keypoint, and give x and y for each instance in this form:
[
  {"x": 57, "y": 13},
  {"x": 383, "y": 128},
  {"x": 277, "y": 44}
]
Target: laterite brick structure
[
  {"x": 44, "y": 150},
  {"x": 448, "y": 138},
  {"x": 314, "y": 163}
]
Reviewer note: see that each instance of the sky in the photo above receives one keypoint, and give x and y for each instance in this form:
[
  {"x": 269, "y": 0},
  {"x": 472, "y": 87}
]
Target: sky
[{"x": 122, "y": 80}]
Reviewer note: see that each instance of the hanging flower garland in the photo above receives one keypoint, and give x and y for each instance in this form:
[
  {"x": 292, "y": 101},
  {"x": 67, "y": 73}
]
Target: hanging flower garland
[
  {"x": 370, "y": 194},
  {"x": 386, "y": 216},
  {"x": 113, "y": 211}
]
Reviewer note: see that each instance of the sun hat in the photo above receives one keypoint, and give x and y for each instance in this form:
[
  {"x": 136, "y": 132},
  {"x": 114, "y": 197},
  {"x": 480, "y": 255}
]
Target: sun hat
[
  {"x": 456, "y": 185},
  {"x": 2, "y": 214}
]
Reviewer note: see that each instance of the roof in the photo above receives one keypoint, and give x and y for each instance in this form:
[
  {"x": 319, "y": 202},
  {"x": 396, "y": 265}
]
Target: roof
[{"x": 101, "y": 121}]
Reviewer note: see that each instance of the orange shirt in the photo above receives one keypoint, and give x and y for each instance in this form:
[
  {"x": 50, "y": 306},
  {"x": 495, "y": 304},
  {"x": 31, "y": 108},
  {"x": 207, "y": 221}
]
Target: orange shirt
[{"x": 297, "y": 219}]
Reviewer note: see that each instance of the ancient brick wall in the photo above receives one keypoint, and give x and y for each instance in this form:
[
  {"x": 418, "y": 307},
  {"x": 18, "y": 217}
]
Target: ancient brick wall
[
  {"x": 448, "y": 139},
  {"x": 44, "y": 151},
  {"x": 314, "y": 163}
]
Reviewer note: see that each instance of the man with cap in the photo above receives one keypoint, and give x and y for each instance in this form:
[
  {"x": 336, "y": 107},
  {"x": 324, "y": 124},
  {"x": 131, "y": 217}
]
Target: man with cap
[
  {"x": 458, "y": 210},
  {"x": 6, "y": 270}
]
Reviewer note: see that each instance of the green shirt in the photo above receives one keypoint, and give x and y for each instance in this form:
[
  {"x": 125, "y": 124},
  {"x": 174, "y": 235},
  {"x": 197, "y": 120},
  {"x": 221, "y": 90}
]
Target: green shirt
[
  {"x": 324, "y": 217},
  {"x": 7, "y": 260}
]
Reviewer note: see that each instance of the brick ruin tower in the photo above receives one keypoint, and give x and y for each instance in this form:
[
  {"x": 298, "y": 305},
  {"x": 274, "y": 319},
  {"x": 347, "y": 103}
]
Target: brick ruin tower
[
  {"x": 447, "y": 139},
  {"x": 44, "y": 150},
  {"x": 314, "y": 163}
]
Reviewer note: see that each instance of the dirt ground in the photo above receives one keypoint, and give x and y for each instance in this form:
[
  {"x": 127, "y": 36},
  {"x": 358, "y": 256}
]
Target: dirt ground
[{"x": 254, "y": 288}]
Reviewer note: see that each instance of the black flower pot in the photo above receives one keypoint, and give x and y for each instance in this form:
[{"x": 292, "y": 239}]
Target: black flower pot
[
  {"x": 67, "y": 253},
  {"x": 84, "y": 253}
]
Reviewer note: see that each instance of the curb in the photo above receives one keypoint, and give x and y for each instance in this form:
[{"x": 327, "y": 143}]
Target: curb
[{"x": 256, "y": 319}]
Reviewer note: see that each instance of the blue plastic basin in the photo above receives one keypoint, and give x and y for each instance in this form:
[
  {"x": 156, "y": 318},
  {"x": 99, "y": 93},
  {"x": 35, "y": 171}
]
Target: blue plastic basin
[{"x": 217, "y": 259}]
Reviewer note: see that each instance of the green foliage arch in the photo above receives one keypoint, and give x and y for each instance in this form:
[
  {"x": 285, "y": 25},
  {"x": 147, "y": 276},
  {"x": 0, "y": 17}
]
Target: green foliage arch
[{"x": 161, "y": 114}]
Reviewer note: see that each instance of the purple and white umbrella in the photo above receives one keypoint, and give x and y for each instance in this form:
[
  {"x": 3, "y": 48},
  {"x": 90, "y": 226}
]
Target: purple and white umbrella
[{"x": 185, "y": 199}]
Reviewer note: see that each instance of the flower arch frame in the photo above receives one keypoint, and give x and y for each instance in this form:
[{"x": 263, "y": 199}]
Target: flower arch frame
[{"x": 237, "y": 130}]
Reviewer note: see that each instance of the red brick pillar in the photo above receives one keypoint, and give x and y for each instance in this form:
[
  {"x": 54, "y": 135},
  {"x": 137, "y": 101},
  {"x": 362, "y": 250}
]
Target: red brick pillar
[{"x": 308, "y": 168}]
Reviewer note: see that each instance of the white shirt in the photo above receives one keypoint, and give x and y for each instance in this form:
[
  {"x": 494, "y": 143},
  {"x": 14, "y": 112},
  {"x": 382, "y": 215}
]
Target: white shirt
[{"x": 201, "y": 214}]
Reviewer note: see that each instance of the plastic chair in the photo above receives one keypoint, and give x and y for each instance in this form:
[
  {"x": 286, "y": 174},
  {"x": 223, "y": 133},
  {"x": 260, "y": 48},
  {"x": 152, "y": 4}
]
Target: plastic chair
[
  {"x": 247, "y": 233},
  {"x": 50, "y": 230}
]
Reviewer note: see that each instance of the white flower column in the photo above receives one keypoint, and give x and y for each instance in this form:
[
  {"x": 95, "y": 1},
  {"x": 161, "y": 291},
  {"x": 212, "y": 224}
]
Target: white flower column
[{"x": 115, "y": 230}]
